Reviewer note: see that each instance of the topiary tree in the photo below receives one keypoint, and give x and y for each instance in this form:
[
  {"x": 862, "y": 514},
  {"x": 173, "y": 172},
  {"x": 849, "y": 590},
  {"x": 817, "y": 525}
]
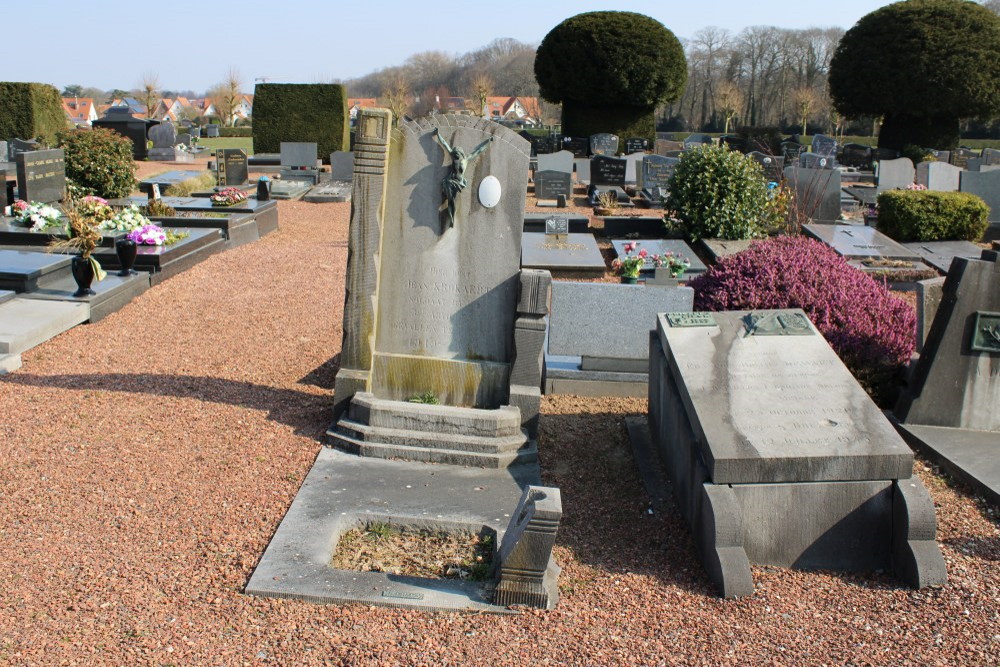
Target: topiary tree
[
  {"x": 610, "y": 70},
  {"x": 923, "y": 65},
  {"x": 99, "y": 160}
]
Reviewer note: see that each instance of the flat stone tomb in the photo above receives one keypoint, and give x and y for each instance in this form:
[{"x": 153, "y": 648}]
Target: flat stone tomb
[
  {"x": 165, "y": 180},
  {"x": 860, "y": 242},
  {"x": 252, "y": 204},
  {"x": 237, "y": 228},
  {"x": 661, "y": 247},
  {"x": 15, "y": 234},
  {"x": 169, "y": 260},
  {"x": 572, "y": 252},
  {"x": 777, "y": 455},
  {"x": 719, "y": 248},
  {"x": 25, "y": 270},
  {"x": 940, "y": 254}
]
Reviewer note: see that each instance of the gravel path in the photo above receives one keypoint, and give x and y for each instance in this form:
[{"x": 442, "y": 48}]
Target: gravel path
[{"x": 146, "y": 460}]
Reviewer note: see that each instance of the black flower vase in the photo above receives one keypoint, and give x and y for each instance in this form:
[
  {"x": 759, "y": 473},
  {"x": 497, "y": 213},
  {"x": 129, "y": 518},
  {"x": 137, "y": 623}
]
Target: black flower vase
[
  {"x": 83, "y": 274},
  {"x": 126, "y": 249}
]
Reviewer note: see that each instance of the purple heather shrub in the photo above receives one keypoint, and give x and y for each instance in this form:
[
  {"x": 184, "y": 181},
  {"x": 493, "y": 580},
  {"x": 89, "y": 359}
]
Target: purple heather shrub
[{"x": 871, "y": 330}]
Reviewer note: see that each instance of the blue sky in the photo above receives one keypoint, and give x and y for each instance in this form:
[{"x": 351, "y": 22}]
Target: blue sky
[{"x": 191, "y": 45}]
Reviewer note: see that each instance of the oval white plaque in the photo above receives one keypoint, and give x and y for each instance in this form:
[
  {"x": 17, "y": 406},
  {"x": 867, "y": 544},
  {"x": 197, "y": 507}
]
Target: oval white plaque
[{"x": 489, "y": 191}]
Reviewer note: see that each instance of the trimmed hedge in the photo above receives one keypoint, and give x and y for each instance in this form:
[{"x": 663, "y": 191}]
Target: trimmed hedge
[
  {"x": 300, "y": 112},
  {"x": 927, "y": 215},
  {"x": 31, "y": 110},
  {"x": 871, "y": 330},
  {"x": 242, "y": 131},
  {"x": 100, "y": 160}
]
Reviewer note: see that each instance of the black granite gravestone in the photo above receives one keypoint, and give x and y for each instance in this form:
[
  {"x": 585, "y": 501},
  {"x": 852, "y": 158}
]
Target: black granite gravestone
[
  {"x": 551, "y": 183},
  {"x": 578, "y": 146},
  {"x": 636, "y": 145},
  {"x": 41, "y": 175},
  {"x": 606, "y": 170},
  {"x": 231, "y": 164}
]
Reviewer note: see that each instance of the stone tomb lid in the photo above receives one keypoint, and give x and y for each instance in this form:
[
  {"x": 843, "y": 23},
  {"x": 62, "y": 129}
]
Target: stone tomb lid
[
  {"x": 663, "y": 246},
  {"x": 24, "y": 263},
  {"x": 718, "y": 248},
  {"x": 575, "y": 251},
  {"x": 200, "y": 203},
  {"x": 777, "y": 408},
  {"x": 859, "y": 242},
  {"x": 940, "y": 254}
]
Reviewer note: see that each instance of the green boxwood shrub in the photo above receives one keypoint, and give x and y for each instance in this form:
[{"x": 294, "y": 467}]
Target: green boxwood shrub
[
  {"x": 719, "y": 193},
  {"x": 300, "y": 112},
  {"x": 242, "y": 131},
  {"x": 99, "y": 160},
  {"x": 30, "y": 111},
  {"x": 927, "y": 215}
]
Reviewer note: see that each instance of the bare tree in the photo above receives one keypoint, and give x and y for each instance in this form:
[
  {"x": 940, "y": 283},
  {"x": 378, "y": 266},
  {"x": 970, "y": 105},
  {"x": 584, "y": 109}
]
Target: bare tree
[
  {"x": 396, "y": 96},
  {"x": 728, "y": 102},
  {"x": 149, "y": 91},
  {"x": 226, "y": 96},
  {"x": 482, "y": 87},
  {"x": 992, "y": 5},
  {"x": 804, "y": 101}
]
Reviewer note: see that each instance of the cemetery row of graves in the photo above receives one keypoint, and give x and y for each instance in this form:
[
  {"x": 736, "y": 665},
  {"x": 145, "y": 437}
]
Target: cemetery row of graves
[{"x": 749, "y": 340}]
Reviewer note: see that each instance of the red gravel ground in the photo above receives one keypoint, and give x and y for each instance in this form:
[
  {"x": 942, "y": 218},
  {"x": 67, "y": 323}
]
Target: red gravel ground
[{"x": 146, "y": 460}]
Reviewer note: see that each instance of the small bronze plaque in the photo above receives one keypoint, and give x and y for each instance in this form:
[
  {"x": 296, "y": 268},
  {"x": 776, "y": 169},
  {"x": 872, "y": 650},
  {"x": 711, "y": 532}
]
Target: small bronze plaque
[
  {"x": 777, "y": 324},
  {"x": 557, "y": 224},
  {"x": 986, "y": 333},
  {"x": 691, "y": 319},
  {"x": 402, "y": 595}
]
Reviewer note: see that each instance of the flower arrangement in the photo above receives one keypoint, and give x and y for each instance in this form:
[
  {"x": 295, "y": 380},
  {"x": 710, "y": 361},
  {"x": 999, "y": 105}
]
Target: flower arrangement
[
  {"x": 95, "y": 208},
  {"x": 125, "y": 220},
  {"x": 675, "y": 264},
  {"x": 630, "y": 265},
  {"x": 228, "y": 197},
  {"x": 916, "y": 186},
  {"x": 38, "y": 217},
  {"x": 150, "y": 234}
]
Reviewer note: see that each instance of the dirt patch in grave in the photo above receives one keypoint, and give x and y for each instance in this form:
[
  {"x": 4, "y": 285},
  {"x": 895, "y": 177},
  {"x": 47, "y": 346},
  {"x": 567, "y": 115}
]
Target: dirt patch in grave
[{"x": 432, "y": 554}]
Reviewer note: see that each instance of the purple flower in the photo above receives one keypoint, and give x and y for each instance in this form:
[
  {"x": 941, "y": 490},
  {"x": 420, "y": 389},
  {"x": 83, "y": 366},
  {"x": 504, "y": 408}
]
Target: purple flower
[{"x": 148, "y": 235}]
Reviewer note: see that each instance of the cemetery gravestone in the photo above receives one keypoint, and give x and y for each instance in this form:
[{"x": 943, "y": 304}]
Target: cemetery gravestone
[
  {"x": 815, "y": 161},
  {"x": 817, "y": 192},
  {"x": 778, "y": 457},
  {"x": 582, "y": 168},
  {"x": 3, "y": 191},
  {"x": 578, "y": 146},
  {"x": 606, "y": 170},
  {"x": 696, "y": 139},
  {"x": 184, "y": 140},
  {"x": 664, "y": 146},
  {"x": 632, "y": 162},
  {"x": 636, "y": 145},
  {"x": 5, "y": 155},
  {"x": 960, "y": 157},
  {"x": 792, "y": 150},
  {"x": 949, "y": 410},
  {"x": 41, "y": 175},
  {"x": 656, "y": 174},
  {"x": 895, "y": 174},
  {"x": 561, "y": 161},
  {"x": 860, "y": 242},
  {"x": 990, "y": 156},
  {"x": 551, "y": 184},
  {"x": 341, "y": 166},
  {"x": 857, "y": 156},
  {"x": 211, "y": 130},
  {"x": 298, "y": 160},
  {"x": 231, "y": 166},
  {"x": 772, "y": 166},
  {"x": 733, "y": 142},
  {"x": 572, "y": 253},
  {"x": 939, "y": 176},
  {"x": 455, "y": 318},
  {"x": 985, "y": 184},
  {"x": 18, "y": 146},
  {"x": 604, "y": 144},
  {"x": 661, "y": 247},
  {"x": 825, "y": 146}
]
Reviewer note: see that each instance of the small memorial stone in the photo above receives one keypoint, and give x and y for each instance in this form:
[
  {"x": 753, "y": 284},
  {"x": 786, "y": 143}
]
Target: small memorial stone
[{"x": 604, "y": 144}]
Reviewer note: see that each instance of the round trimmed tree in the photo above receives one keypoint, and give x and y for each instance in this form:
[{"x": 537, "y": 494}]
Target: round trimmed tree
[
  {"x": 610, "y": 70},
  {"x": 923, "y": 65}
]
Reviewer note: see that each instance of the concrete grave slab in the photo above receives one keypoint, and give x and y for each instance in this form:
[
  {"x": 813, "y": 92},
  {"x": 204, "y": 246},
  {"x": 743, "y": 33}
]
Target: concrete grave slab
[
  {"x": 662, "y": 247},
  {"x": 575, "y": 252},
  {"x": 940, "y": 254},
  {"x": 25, "y": 323},
  {"x": 860, "y": 242}
]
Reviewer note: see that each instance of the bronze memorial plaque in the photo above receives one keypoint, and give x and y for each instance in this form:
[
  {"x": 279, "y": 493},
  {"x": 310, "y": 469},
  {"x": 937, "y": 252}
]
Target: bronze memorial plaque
[
  {"x": 986, "y": 333},
  {"x": 691, "y": 319},
  {"x": 777, "y": 324}
]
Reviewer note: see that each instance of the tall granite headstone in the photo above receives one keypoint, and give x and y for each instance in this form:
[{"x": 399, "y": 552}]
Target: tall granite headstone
[
  {"x": 985, "y": 184},
  {"x": 772, "y": 166},
  {"x": 895, "y": 174},
  {"x": 559, "y": 161},
  {"x": 437, "y": 304},
  {"x": 656, "y": 174},
  {"x": 341, "y": 165},
  {"x": 41, "y": 175},
  {"x": 824, "y": 145},
  {"x": 817, "y": 192},
  {"x": 606, "y": 170},
  {"x": 231, "y": 166},
  {"x": 939, "y": 176}
]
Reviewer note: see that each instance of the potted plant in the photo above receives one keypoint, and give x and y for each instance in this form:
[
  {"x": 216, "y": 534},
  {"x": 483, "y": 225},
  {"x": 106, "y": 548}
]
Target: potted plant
[
  {"x": 84, "y": 236},
  {"x": 607, "y": 203},
  {"x": 627, "y": 267}
]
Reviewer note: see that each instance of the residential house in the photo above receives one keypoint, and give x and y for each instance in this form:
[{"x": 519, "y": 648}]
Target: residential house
[
  {"x": 524, "y": 109},
  {"x": 80, "y": 110},
  {"x": 356, "y": 103},
  {"x": 136, "y": 107}
]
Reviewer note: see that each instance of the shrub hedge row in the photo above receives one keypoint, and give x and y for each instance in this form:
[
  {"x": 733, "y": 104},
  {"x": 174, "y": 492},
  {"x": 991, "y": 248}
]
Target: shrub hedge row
[
  {"x": 30, "y": 111},
  {"x": 300, "y": 112},
  {"x": 244, "y": 131},
  {"x": 928, "y": 215}
]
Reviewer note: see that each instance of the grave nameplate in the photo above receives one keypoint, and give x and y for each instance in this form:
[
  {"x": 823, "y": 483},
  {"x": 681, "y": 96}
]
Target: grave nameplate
[
  {"x": 557, "y": 225},
  {"x": 578, "y": 146},
  {"x": 636, "y": 145},
  {"x": 41, "y": 175},
  {"x": 986, "y": 333},
  {"x": 550, "y": 184},
  {"x": 606, "y": 170},
  {"x": 604, "y": 144},
  {"x": 231, "y": 166},
  {"x": 691, "y": 319}
]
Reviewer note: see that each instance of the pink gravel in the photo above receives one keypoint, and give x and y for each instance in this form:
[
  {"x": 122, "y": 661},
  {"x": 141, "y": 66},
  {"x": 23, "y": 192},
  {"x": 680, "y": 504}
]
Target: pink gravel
[{"x": 146, "y": 460}]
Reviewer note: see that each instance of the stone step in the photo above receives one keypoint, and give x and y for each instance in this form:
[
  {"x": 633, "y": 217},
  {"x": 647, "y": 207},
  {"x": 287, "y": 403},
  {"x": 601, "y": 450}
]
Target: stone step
[
  {"x": 112, "y": 293},
  {"x": 6, "y": 295},
  {"x": 25, "y": 323},
  {"x": 527, "y": 454},
  {"x": 437, "y": 419},
  {"x": 449, "y": 441},
  {"x": 27, "y": 270}
]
